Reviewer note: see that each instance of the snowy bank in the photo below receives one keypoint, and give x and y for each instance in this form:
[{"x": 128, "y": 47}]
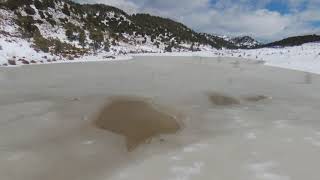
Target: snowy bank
[
  {"x": 303, "y": 58},
  {"x": 17, "y": 51}
]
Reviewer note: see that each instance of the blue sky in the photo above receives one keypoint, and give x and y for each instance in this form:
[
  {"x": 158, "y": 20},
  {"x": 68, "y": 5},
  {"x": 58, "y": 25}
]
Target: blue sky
[
  {"x": 265, "y": 20},
  {"x": 278, "y": 6}
]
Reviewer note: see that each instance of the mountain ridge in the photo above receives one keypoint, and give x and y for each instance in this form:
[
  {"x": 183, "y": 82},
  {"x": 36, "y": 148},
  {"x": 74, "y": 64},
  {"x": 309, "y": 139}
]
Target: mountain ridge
[
  {"x": 68, "y": 29},
  {"x": 98, "y": 26},
  {"x": 294, "y": 41}
]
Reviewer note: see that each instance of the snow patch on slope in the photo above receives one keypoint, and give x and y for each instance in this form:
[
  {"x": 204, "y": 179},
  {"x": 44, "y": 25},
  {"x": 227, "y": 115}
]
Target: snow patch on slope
[
  {"x": 304, "y": 58},
  {"x": 18, "y": 49}
]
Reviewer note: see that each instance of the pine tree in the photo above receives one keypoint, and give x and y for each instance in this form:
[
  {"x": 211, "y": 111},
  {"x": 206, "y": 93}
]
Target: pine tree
[{"x": 82, "y": 38}]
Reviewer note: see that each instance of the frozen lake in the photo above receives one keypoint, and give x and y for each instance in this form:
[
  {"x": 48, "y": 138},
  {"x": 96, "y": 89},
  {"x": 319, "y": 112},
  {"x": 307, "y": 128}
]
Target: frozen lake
[{"x": 271, "y": 132}]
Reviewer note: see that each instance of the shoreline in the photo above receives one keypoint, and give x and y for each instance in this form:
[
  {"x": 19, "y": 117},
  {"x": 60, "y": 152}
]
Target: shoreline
[{"x": 270, "y": 57}]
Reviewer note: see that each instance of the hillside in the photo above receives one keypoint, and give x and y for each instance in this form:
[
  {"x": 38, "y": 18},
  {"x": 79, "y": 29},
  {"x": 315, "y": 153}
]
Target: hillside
[
  {"x": 33, "y": 31},
  {"x": 245, "y": 42},
  {"x": 69, "y": 30},
  {"x": 294, "y": 41}
]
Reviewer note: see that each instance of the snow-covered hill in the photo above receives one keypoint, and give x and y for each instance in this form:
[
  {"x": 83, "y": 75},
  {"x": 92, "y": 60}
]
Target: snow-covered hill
[
  {"x": 64, "y": 30},
  {"x": 46, "y": 31},
  {"x": 245, "y": 42}
]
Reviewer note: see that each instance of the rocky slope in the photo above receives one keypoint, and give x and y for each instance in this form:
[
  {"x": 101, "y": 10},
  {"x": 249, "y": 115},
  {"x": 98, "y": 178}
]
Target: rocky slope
[
  {"x": 68, "y": 29},
  {"x": 245, "y": 42},
  {"x": 34, "y": 31}
]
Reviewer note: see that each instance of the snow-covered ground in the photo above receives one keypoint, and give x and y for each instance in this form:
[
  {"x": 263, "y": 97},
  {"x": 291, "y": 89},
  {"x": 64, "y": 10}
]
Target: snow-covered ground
[
  {"x": 14, "y": 50},
  {"x": 304, "y": 58},
  {"x": 18, "y": 49}
]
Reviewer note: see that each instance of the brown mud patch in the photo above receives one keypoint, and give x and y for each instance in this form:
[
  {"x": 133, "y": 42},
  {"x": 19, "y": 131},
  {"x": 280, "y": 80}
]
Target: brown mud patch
[
  {"x": 135, "y": 119},
  {"x": 256, "y": 98},
  {"x": 222, "y": 100}
]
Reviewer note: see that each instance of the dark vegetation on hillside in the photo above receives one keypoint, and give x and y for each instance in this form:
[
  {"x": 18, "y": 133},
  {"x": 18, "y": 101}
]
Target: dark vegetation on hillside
[
  {"x": 242, "y": 40},
  {"x": 165, "y": 30},
  {"x": 294, "y": 41},
  {"x": 97, "y": 21}
]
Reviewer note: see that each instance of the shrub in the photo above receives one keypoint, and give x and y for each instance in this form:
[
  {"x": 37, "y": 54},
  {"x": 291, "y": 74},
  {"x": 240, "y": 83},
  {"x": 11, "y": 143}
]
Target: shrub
[
  {"x": 144, "y": 41},
  {"x": 51, "y": 21},
  {"x": 66, "y": 10},
  {"x": 39, "y": 21},
  {"x": 49, "y": 15},
  {"x": 157, "y": 44},
  {"x": 38, "y": 4},
  {"x": 15, "y": 4},
  {"x": 61, "y": 47},
  {"x": 168, "y": 49},
  {"x": 48, "y": 3},
  {"x": 63, "y": 20},
  {"x": 27, "y": 26},
  {"x": 41, "y": 43},
  {"x": 42, "y": 15},
  {"x": 114, "y": 43},
  {"x": 192, "y": 47},
  {"x": 153, "y": 37},
  {"x": 106, "y": 45},
  {"x": 70, "y": 35},
  {"x": 71, "y": 30},
  {"x": 97, "y": 37},
  {"x": 2, "y": 3},
  {"x": 58, "y": 48},
  {"x": 82, "y": 38},
  {"x": 29, "y": 10}
]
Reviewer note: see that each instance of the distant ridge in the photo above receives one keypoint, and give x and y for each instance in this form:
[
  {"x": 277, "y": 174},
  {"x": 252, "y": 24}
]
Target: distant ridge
[{"x": 294, "y": 41}]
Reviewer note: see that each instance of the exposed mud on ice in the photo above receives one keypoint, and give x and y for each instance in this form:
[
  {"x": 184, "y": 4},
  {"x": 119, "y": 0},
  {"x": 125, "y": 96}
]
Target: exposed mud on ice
[
  {"x": 220, "y": 99},
  {"x": 136, "y": 119}
]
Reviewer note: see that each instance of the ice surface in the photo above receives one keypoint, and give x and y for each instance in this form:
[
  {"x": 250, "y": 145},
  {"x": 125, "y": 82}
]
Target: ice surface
[{"x": 46, "y": 129}]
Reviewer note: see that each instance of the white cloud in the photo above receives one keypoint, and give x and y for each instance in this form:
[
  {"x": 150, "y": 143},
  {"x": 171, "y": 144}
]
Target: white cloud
[{"x": 230, "y": 17}]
